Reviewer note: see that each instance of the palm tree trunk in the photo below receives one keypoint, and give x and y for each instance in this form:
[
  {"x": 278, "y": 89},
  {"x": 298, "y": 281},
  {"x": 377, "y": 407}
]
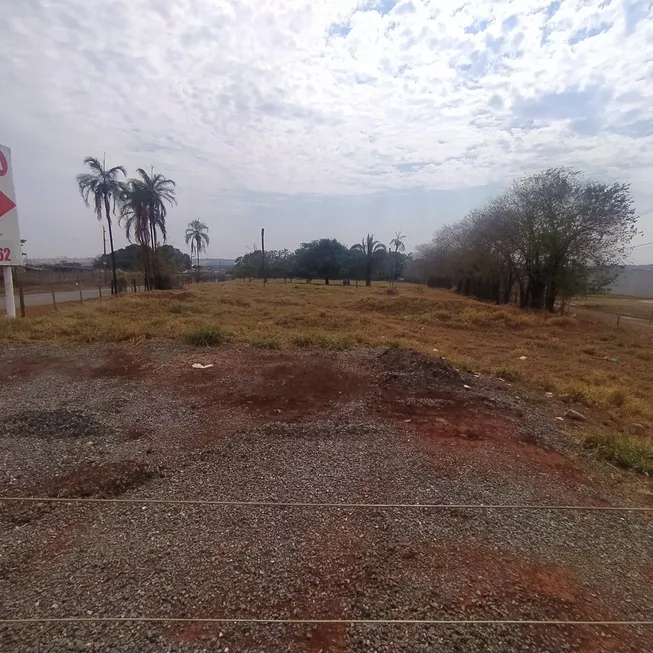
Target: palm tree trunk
[
  {"x": 155, "y": 267},
  {"x": 198, "y": 265},
  {"x": 146, "y": 266},
  {"x": 113, "y": 254},
  {"x": 368, "y": 274}
]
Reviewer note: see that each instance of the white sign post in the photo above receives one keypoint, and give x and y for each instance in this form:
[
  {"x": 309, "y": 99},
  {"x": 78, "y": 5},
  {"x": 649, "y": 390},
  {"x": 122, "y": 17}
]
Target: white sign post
[{"x": 10, "y": 250}]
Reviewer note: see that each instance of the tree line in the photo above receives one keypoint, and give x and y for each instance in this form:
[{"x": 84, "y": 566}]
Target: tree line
[
  {"x": 327, "y": 259},
  {"x": 141, "y": 206},
  {"x": 549, "y": 236}
]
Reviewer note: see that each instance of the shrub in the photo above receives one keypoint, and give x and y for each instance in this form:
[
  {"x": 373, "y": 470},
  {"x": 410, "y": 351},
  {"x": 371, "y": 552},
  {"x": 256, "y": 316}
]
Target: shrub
[
  {"x": 207, "y": 336},
  {"x": 507, "y": 373},
  {"x": 393, "y": 344},
  {"x": 442, "y": 315},
  {"x": 622, "y": 450},
  {"x": 332, "y": 342},
  {"x": 266, "y": 343}
]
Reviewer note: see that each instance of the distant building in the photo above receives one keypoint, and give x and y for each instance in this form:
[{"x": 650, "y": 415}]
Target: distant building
[{"x": 635, "y": 281}]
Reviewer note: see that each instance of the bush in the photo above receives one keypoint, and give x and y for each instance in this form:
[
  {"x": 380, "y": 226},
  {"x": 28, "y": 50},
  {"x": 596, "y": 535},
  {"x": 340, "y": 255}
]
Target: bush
[
  {"x": 507, "y": 373},
  {"x": 332, "y": 342},
  {"x": 393, "y": 344},
  {"x": 622, "y": 450},
  {"x": 207, "y": 336},
  {"x": 266, "y": 343}
]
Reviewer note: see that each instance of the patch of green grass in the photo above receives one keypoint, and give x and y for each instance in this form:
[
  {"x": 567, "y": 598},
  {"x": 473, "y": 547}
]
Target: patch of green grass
[
  {"x": 207, "y": 336},
  {"x": 461, "y": 364},
  {"x": 266, "y": 343},
  {"x": 393, "y": 344},
  {"x": 507, "y": 373},
  {"x": 622, "y": 450},
  {"x": 334, "y": 342}
]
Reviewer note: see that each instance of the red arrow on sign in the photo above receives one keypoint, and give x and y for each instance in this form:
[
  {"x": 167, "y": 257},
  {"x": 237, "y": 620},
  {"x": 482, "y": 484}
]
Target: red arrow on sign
[{"x": 5, "y": 204}]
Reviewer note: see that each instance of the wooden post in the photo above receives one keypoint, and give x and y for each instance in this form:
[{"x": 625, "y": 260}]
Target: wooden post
[
  {"x": 21, "y": 298},
  {"x": 100, "y": 291},
  {"x": 81, "y": 299},
  {"x": 54, "y": 301},
  {"x": 618, "y": 318},
  {"x": 263, "y": 256}
]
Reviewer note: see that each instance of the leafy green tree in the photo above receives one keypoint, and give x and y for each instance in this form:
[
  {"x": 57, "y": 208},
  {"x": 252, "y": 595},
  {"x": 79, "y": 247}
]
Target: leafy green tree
[
  {"x": 321, "y": 259},
  {"x": 371, "y": 250},
  {"x": 101, "y": 186},
  {"x": 248, "y": 266},
  {"x": 197, "y": 236},
  {"x": 550, "y": 234},
  {"x": 130, "y": 259}
]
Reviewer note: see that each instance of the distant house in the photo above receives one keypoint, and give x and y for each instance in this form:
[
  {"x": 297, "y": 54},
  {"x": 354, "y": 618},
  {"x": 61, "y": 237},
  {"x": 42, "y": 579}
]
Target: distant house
[{"x": 635, "y": 281}]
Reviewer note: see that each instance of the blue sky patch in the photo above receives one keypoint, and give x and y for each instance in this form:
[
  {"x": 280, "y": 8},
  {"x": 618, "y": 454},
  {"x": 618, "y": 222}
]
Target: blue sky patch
[{"x": 588, "y": 33}]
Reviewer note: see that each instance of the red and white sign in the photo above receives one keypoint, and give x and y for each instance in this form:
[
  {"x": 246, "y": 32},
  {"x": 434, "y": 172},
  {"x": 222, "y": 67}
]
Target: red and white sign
[{"x": 10, "y": 251}]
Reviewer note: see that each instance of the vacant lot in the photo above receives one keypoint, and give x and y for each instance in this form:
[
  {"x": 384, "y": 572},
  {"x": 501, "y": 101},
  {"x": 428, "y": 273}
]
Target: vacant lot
[
  {"x": 291, "y": 409},
  {"x": 608, "y": 369}
]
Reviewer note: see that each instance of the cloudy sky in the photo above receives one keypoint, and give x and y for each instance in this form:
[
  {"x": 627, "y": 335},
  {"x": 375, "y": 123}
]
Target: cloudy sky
[{"x": 319, "y": 118}]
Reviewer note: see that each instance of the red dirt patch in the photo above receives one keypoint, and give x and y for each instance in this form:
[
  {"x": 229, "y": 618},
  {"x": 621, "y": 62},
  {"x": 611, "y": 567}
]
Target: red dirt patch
[
  {"x": 97, "y": 479},
  {"x": 278, "y": 387},
  {"x": 443, "y": 418},
  {"x": 25, "y": 367},
  {"x": 118, "y": 363}
]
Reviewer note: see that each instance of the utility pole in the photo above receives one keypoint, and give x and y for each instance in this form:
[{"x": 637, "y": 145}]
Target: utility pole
[{"x": 263, "y": 256}]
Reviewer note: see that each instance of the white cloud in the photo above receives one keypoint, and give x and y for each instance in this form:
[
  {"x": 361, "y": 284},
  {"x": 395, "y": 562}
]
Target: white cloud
[{"x": 334, "y": 96}]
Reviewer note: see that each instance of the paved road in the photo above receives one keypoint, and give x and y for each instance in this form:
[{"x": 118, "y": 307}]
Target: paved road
[{"x": 45, "y": 298}]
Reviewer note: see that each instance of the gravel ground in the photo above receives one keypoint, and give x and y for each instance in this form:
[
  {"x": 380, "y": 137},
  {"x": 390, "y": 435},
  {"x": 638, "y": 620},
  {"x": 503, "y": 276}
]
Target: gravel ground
[{"x": 371, "y": 426}]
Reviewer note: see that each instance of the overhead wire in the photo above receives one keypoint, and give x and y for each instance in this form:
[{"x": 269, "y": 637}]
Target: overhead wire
[
  {"x": 323, "y": 504},
  {"x": 272, "y": 620}
]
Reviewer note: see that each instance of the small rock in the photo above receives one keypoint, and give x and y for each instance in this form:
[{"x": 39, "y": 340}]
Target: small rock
[
  {"x": 522, "y": 358},
  {"x": 636, "y": 429},
  {"x": 565, "y": 398},
  {"x": 574, "y": 414},
  {"x": 548, "y": 395},
  {"x": 562, "y": 419},
  {"x": 467, "y": 387}
]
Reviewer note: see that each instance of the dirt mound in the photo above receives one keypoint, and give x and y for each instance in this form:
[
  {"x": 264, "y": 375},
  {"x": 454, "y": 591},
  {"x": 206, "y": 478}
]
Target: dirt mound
[
  {"x": 98, "y": 480},
  {"x": 56, "y": 424},
  {"x": 409, "y": 367}
]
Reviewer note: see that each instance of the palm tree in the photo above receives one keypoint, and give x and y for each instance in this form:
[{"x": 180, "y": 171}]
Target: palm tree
[
  {"x": 144, "y": 211},
  {"x": 370, "y": 249},
  {"x": 198, "y": 238},
  {"x": 398, "y": 246},
  {"x": 134, "y": 216},
  {"x": 102, "y": 187},
  {"x": 158, "y": 191}
]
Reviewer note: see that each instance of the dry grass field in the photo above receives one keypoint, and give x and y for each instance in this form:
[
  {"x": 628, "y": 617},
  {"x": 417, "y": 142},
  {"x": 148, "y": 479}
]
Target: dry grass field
[{"x": 605, "y": 371}]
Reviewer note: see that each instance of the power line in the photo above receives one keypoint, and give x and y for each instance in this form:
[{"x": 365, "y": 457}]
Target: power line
[
  {"x": 293, "y": 504},
  {"x": 642, "y": 245},
  {"x": 271, "y": 620}
]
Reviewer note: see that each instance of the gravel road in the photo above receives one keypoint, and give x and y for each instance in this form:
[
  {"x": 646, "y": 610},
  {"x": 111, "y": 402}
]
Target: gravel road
[{"x": 370, "y": 426}]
